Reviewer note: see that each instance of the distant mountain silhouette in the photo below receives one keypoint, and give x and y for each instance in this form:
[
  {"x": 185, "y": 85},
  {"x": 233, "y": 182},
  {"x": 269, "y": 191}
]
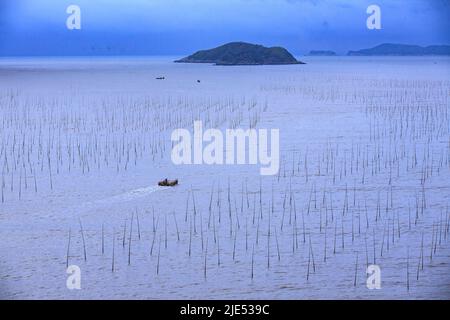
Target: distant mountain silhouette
[
  {"x": 241, "y": 53},
  {"x": 321, "y": 53},
  {"x": 391, "y": 49}
]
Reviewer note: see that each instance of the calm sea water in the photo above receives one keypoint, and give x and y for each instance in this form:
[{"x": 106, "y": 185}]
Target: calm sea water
[{"x": 364, "y": 153}]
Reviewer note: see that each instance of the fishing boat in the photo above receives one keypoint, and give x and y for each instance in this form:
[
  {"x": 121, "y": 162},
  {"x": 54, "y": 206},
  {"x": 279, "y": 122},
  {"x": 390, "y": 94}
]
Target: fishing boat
[{"x": 168, "y": 183}]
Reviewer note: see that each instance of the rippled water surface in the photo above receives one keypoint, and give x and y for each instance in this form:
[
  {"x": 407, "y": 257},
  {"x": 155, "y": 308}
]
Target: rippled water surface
[{"x": 364, "y": 179}]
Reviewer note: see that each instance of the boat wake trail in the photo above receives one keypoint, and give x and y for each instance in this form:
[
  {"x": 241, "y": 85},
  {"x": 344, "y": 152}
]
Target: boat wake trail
[{"x": 124, "y": 197}]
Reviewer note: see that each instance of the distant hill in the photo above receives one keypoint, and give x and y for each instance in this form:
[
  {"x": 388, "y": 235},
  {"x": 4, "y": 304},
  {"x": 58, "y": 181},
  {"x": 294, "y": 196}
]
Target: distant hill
[
  {"x": 391, "y": 49},
  {"x": 241, "y": 53},
  {"x": 321, "y": 53}
]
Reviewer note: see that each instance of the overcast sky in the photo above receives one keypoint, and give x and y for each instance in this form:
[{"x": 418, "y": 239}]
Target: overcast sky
[{"x": 178, "y": 27}]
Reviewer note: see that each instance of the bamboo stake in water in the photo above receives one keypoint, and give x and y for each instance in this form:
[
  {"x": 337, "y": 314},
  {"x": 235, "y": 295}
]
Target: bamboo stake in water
[
  {"x": 253, "y": 260},
  {"x": 278, "y": 247},
  {"x": 309, "y": 263},
  {"x": 234, "y": 244},
  {"x": 138, "y": 225},
  {"x": 335, "y": 236},
  {"x": 312, "y": 253},
  {"x": 206, "y": 255},
  {"x": 218, "y": 251},
  {"x": 187, "y": 206},
  {"x": 159, "y": 255},
  {"x": 374, "y": 252},
  {"x": 124, "y": 233},
  {"x": 84, "y": 243},
  {"x": 176, "y": 226},
  {"x": 190, "y": 237},
  {"x": 325, "y": 247},
  {"x": 113, "y": 249},
  {"x": 407, "y": 269},
  {"x": 268, "y": 246},
  {"x": 356, "y": 270},
  {"x": 103, "y": 240},
  {"x": 154, "y": 237},
  {"x": 129, "y": 239},
  {"x": 165, "y": 231},
  {"x": 68, "y": 248}
]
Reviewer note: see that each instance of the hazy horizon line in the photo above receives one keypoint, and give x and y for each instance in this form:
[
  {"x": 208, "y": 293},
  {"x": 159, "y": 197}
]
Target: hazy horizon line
[{"x": 184, "y": 54}]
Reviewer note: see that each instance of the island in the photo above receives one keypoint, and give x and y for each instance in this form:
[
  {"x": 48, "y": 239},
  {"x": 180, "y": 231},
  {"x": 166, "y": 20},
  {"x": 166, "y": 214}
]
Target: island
[
  {"x": 322, "y": 53},
  {"x": 392, "y": 49},
  {"x": 242, "y": 53}
]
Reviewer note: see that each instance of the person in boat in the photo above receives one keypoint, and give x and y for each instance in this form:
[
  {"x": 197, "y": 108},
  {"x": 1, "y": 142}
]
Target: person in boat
[{"x": 168, "y": 183}]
